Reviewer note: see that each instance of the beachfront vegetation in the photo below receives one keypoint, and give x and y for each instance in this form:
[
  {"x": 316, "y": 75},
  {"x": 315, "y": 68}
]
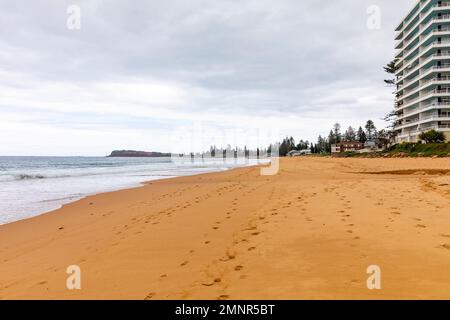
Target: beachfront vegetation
[
  {"x": 432, "y": 136},
  {"x": 405, "y": 150},
  {"x": 420, "y": 149}
]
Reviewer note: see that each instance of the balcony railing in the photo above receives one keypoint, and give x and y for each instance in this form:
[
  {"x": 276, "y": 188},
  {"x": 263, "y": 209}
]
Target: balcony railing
[
  {"x": 419, "y": 109},
  {"x": 434, "y": 43},
  {"x": 426, "y": 95},
  {"x": 441, "y": 79},
  {"x": 443, "y": 4},
  {"x": 418, "y": 66},
  {"x": 443, "y": 29},
  {"x": 409, "y": 92},
  {"x": 417, "y": 121}
]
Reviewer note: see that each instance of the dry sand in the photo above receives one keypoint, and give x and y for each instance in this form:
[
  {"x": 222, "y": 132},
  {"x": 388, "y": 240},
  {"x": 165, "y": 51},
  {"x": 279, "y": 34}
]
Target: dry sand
[{"x": 309, "y": 232}]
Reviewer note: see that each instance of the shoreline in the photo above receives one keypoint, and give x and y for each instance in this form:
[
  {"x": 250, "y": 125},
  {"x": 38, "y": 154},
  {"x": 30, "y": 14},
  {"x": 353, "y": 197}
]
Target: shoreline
[
  {"x": 309, "y": 232},
  {"x": 133, "y": 186}
]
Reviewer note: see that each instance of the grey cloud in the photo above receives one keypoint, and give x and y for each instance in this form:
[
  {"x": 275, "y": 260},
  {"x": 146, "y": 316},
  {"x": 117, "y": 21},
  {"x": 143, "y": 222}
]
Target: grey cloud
[{"x": 247, "y": 57}]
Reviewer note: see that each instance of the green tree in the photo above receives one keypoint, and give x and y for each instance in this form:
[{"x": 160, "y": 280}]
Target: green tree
[
  {"x": 331, "y": 137},
  {"x": 360, "y": 135},
  {"x": 370, "y": 130},
  {"x": 432, "y": 136},
  {"x": 392, "y": 116},
  {"x": 322, "y": 145},
  {"x": 350, "y": 134},
  {"x": 383, "y": 138},
  {"x": 391, "y": 68},
  {"x": 337, "y": 132},
  {"x": 303, "y": 145},
  {"x": 286, "y": 146}
]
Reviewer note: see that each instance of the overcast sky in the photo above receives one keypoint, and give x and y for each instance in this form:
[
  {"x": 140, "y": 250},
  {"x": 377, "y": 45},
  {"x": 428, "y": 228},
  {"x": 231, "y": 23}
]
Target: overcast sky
[{"x": 147, "y": 74}]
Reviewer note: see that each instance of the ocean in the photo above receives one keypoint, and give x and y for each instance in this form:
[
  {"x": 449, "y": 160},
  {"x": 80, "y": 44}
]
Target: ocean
[{"x": 30, "y": 186}]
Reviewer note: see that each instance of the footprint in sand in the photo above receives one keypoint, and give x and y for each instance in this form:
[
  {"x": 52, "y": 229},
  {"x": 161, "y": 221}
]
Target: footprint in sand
[
  {"x": 238, "y": 268},
  {"x": 208, "y": 284},
  {"x": 184, "y": 263},
  {"x": 231, "y": 254},
  {"x": 421, "y": 226},
  {"x": 150, "y": 296}
]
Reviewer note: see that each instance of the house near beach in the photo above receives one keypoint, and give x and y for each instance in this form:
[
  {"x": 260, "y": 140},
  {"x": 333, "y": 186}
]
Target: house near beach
[{"x": 347, "y": 146}]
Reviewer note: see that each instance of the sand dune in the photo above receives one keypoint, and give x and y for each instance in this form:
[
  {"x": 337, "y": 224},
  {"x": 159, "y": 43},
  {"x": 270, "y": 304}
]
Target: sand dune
[{"x": 309, "y": 232}]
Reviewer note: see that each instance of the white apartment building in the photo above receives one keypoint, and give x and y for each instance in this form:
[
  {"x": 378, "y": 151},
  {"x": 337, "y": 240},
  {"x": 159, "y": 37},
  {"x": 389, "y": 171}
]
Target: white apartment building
[{"x": 423, "y": 74}]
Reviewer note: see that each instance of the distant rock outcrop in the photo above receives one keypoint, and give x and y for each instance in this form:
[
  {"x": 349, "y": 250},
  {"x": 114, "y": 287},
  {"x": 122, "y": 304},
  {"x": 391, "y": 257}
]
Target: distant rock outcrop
[{"x": 138, "y": 154}]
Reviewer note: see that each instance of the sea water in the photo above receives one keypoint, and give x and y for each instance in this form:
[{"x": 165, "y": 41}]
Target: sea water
[{"x": 30, "y": 186}]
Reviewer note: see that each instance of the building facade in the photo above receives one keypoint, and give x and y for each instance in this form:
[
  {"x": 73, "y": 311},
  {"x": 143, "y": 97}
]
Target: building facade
[
  {"x": 347, "y": 146},
  {"x": 423, "y": 70}
]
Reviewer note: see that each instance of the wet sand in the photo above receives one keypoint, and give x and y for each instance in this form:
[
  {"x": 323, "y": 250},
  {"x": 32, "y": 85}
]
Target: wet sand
[{"x": 309, "y": 232}]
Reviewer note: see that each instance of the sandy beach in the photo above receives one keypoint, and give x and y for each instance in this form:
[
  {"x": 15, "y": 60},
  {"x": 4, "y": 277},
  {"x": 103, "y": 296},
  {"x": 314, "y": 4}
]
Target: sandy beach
[{"x": 309, "y": 232}]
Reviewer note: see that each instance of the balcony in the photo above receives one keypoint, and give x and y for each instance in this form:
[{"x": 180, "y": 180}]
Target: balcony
[
  {"x": 426, "y": 95},
  {"x": 427, "y": 37},
  {"x": 423, "y": 17},
  {"x": 417, "y": 66},
  {"x": 443, "y": 29},
  {"x": 407, "y": 93},
  {"x": 420, "y": 109}
]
